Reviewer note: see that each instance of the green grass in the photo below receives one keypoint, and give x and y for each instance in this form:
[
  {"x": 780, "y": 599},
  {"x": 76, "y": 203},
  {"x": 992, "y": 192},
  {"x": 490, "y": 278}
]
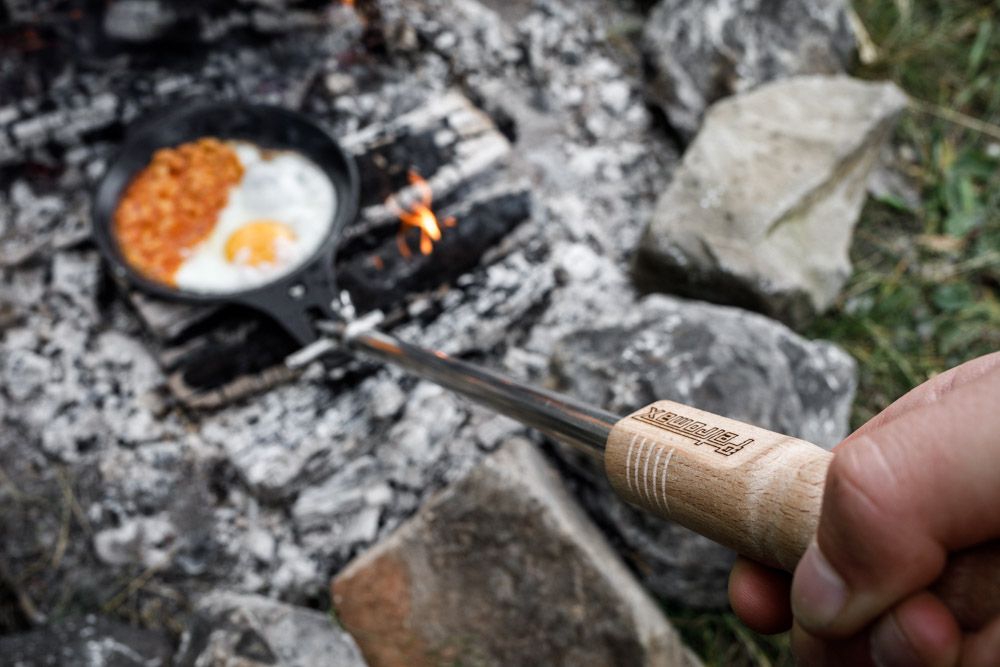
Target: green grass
[
  {"x": 925, "y": 292},
  {"x": 721, "y": 639}
]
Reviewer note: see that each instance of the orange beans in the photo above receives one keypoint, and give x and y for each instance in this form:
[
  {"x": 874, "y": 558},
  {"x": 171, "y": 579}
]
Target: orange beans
[{"x": 173, "y": 204}]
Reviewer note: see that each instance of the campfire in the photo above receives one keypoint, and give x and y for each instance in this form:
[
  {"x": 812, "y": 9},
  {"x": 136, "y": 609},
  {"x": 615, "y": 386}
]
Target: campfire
[
  {"x": 159, "y": 450},
  {"x": 419, "y": 217}
]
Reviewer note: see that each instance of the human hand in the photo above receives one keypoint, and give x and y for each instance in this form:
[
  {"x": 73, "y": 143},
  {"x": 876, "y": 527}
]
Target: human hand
[{"x": 919, "y": 481}]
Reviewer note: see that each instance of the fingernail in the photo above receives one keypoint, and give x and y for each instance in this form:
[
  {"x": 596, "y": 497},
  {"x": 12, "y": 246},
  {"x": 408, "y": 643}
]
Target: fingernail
[
  {"x": 890, "y": 647},
  {"x": 818, "y": 592}
]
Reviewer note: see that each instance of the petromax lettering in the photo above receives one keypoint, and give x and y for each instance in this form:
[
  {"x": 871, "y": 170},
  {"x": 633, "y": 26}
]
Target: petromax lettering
[{"x": 722, "y": 441}]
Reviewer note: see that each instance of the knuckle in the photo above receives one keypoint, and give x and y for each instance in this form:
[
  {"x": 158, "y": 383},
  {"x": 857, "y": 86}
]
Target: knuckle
[{"x": 860, "y": 487}]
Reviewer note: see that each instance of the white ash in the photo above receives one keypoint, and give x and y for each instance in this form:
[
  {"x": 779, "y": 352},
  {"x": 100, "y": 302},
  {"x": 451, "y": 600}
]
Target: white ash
[
  {"x": 295, "y": 574},
  {"x": 261, "y": 544},
  {"x": 341, "y": 494},
  {"x": 145, "y": 540},
  {"x": 32, "y": 371}
]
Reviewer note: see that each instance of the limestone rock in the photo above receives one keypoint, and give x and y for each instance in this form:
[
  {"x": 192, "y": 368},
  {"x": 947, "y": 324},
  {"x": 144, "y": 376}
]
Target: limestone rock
[
  {"x": 501, "y": 568},
  {"x": 89, "y": 641},
  {"x": 700, "y": 52},
  {"x": 761, "y": 212},
  {"x": 249, "y": 630},
  {"x": 725, "y": 360}
]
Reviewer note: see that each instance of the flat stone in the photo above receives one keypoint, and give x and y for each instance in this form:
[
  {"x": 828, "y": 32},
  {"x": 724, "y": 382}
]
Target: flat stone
[
  {"x": 251, "y": 631},
  {"x": 725, "y": 360},
  {"x": 700, "y": 52},
  {"x": 88, "y": 641},
  {"x": 501, "y": 568},
  {"x": 762, "y": 210}
]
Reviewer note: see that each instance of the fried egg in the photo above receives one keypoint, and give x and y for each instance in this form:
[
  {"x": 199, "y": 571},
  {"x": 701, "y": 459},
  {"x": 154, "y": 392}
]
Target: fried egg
[{"x": 275, "y": 218}]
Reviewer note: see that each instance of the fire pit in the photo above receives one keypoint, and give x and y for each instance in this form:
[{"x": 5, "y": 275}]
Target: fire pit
[{"x": 174, "y": 451}]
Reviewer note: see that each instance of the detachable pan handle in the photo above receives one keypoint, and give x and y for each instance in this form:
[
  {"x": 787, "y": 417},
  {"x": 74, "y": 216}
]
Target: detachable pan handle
[
  {"x": 753, "y": 490},
  {"x": 299, "y": 300}
]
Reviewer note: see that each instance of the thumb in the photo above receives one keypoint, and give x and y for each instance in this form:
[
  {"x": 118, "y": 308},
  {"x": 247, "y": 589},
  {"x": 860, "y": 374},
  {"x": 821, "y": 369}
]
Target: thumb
[{"x": 898, "y": 498}]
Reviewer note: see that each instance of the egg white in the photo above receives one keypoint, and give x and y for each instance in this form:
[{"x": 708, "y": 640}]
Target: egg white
[{"x": 284, "y": 187}]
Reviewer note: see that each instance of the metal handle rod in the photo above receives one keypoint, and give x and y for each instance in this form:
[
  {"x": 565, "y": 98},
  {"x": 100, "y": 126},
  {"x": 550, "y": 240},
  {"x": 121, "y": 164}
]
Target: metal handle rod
[{"x": 582, "y": 426}]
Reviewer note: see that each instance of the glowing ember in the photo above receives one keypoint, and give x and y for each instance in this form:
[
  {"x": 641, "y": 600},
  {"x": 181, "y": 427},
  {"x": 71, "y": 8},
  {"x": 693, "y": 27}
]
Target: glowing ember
[{"x": 420, "y": 216}]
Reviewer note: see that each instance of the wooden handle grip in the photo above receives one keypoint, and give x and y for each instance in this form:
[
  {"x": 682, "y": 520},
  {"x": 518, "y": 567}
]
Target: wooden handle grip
[
  {"x": 757, "y": 492},
  {"x": 752, "y": 490}
]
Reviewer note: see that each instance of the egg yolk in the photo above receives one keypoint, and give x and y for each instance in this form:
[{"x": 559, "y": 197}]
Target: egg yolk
[{"x": 257, "y": 242}]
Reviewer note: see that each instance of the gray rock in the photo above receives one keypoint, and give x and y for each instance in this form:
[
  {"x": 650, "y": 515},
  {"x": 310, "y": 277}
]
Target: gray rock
[
  {"x": 700, "y": 52},
  {"x": 511, "y": 572},
  {"x": 90, "y": 641},
  {"x": 762, "y": 210},
  {"x": 248, "y": 630},
  {"x": 725, "y": 360}
]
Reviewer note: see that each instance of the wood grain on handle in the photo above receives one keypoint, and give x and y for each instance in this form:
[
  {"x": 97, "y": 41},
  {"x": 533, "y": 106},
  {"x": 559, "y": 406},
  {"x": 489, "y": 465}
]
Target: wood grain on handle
[
  {"x": 753, "y": 490},
  {"x": 757, "y": 492}
]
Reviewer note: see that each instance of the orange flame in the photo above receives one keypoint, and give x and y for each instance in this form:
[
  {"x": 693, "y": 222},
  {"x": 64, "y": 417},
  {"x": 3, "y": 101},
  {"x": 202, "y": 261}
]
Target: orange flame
[{"x": 420, "y": 216}]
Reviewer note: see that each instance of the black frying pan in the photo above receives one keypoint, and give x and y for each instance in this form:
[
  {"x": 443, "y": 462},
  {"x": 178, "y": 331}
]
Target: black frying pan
[{"x": 293, "y": 300}]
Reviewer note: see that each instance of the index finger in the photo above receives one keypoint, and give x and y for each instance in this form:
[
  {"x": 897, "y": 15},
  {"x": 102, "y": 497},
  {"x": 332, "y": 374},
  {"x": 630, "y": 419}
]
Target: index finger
[{"x": 931, "y": 391}]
